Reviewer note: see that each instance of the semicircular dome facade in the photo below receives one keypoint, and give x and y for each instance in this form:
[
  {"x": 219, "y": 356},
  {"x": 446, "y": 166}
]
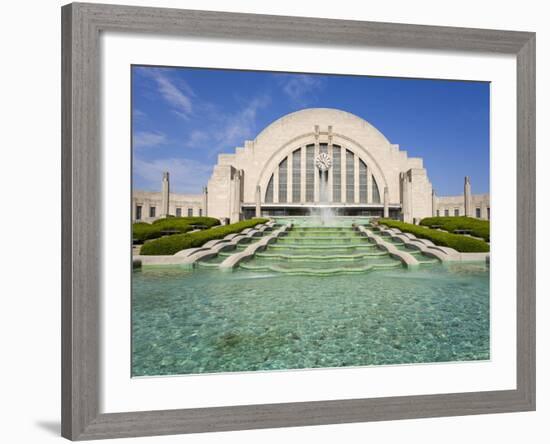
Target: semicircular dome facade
[{"x": 314, "y": 158}]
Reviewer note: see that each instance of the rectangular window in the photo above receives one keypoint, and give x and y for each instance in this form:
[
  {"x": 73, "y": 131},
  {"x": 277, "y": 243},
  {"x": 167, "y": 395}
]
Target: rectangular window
[
  {"x": 200, "y": 212},
  {"x": 189, "y": 212},
  {"x": 456, "y": 211},
  {"x": 446, "y": 213},
  {"x": 152, "y": 211},
  {"x": 336, "y": 174},
  {"x": 488, "y": 213},
  {"x": 350, "y": 177},
  {"x": 478, "y": 213},
  {"x": 310, "y": 173},
  {"x": 178, "y": 212},
  {"x": 138, "y": 212},
  {"x": 282, "y": 180},
  {"x": 296, "y": 175},
  {"x": 437, "y": 213}
]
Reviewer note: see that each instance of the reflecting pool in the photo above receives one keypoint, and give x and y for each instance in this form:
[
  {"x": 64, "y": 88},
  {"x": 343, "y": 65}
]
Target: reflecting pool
[{"x": 208, "y": 321}]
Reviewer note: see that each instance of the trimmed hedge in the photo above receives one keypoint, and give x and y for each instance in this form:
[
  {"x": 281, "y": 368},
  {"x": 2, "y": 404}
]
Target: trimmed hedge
[
  {"x": 480, "y": 228},
  {"x": 172, "y": 244},
  {"x": 142, "y": 231},
  {"x": 464, "y": 244},
  {"x": 190, "y": 220}
]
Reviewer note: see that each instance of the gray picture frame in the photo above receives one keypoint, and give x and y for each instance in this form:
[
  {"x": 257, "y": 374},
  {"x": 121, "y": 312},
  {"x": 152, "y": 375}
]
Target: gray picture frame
[{"x": 81, "y": 252}]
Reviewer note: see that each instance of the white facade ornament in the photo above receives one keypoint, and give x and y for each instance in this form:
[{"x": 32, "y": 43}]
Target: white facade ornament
[{"x": 323, "y": 161}]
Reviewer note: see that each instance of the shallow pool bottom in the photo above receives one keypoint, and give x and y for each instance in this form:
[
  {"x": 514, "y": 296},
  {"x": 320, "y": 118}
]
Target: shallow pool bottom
[{"x": 207, "y": 321}]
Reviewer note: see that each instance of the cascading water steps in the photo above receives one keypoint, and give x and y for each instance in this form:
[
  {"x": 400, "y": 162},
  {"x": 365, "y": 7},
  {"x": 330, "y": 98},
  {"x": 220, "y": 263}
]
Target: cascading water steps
[
  {"x": 321, "y": 251},
  {"x": 215, "y": 261},
  {"x": 318, "y": 250}
]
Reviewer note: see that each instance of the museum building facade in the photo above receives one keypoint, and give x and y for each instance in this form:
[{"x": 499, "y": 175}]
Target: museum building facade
[{"x": 312, "y": 159}]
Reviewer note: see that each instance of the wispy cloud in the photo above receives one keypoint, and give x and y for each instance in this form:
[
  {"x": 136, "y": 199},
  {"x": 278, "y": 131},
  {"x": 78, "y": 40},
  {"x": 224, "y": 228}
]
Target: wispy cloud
[
  {"x": 138, "y": 114},
  {"x": 186, "y": 175},
  {"x": 197, "y": 138},
  {"x": 221, "y": 130},
  {"x": 176, "y": 92},
  {"x": 242, "y": 124},
  {"x": 301, "y": 88},
  {"x": 146, "y": 139}
]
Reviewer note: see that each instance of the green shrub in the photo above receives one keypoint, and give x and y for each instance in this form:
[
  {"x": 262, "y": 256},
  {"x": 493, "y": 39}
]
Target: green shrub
[
  {"x": 142, "y": 231},
  {"x": 172, "y": 244},
  {"x": 173, "y": 221},
  {"x": 463, "y": 244},
  {"x": 480, "y": 228}
]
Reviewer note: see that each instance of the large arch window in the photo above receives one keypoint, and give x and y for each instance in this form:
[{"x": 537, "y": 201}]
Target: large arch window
[
  {"x": 296, "y": 175},
  {"x": 300, "y": 165},
  {"x": 336, "y": 174},
  {"x": 350, "y": 177},
  {"x": 362, "y": 182},
  {"x": 310, "y": 173},
  {"x": 269, "y": 191},
  {"x": 282, "y": 180}
]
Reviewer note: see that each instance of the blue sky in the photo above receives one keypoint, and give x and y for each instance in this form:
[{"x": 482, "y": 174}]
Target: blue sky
[{"x": 184, "y": 117}]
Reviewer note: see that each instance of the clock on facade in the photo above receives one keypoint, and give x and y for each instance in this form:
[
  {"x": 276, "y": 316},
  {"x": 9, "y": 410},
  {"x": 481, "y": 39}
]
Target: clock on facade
[{"x": 323, "y": 161}]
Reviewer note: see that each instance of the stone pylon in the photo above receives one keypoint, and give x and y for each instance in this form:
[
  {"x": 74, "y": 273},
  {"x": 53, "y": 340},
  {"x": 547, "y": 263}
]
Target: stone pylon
[
  {"x": 406, "y": 204},
  {"x": 165, "y": 194},
  {"x": 205, "y": 201},
  {"x": 467, "y": 197},
  {"x": 434, "y": 203},
  {"x": 236, "y": 196}
]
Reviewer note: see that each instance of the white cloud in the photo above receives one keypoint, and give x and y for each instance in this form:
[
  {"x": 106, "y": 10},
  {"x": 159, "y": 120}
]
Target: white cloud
[
  {"x": 223, "y": 129},
  {"x": 216, "y": 128},
  {"x": 237, "y": 127},
  {"x": 197, "y": 138},
  {"x": 301, "y": 88},
  {"x": 138, "y": 114},
  {"x": 186, "y": 175},
  {"x": 146, "y": 139},
  {"x": 176, "y": 94}
]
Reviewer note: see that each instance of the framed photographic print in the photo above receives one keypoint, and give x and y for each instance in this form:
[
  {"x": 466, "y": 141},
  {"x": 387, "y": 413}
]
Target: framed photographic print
[{"x": 279, "y": 221}]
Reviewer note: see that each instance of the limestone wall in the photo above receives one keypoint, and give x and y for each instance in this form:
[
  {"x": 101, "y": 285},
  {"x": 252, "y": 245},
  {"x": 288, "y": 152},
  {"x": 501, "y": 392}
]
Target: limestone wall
[
  {"x": 183, "y": 202},
  {"x": 448, "y": 205}
]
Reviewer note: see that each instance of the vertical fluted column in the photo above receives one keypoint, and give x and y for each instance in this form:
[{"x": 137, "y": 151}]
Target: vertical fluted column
[
  {"x": 356, "y": 178},
  {"x": 289, "y": 176},
  {"x": 316, "y": 176},
  {"x": 164, "y": 211},
  {"x": 330, "y": 193},
  {"x": 258, "y": 201},
  {"x": 386, "y": 202},
  {"x": 303, "y": 175}
]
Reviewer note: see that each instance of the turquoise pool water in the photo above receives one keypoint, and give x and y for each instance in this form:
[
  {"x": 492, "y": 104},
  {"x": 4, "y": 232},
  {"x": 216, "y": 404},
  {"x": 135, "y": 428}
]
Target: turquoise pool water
[{"x": 207, "y": 321}]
